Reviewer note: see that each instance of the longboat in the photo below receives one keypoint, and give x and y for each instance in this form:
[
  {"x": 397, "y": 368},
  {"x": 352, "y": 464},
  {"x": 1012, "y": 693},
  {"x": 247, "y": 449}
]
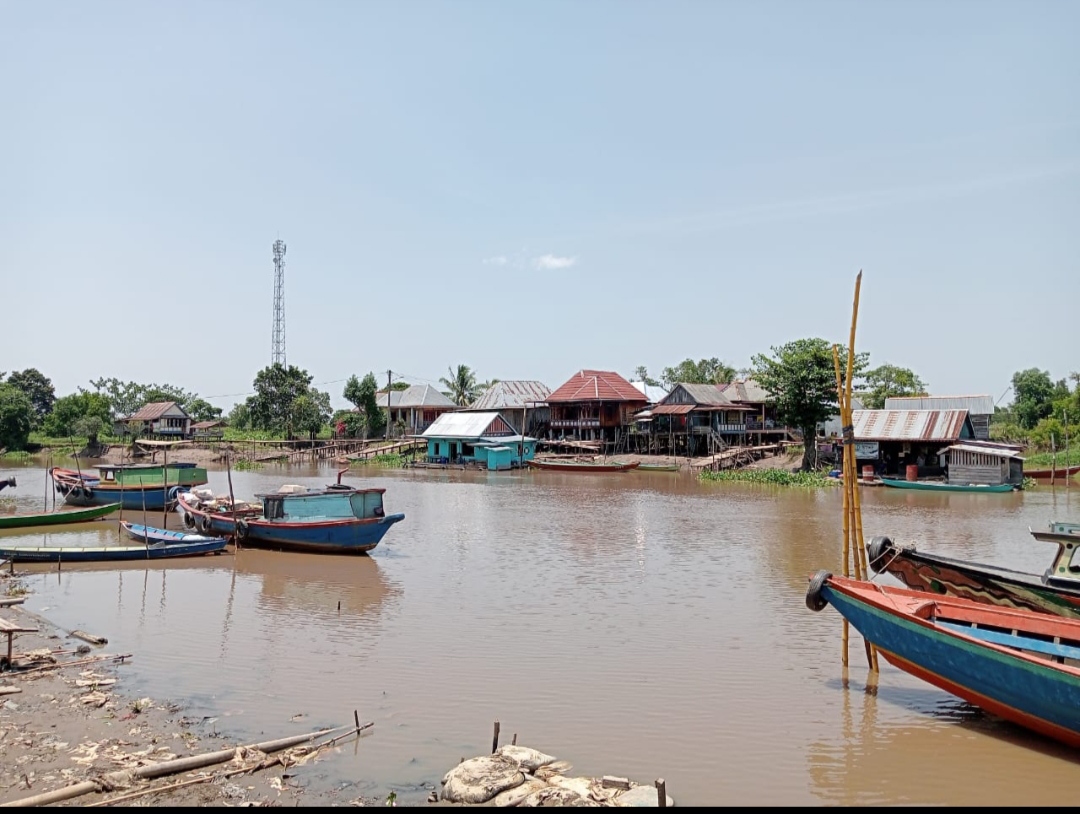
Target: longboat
[
  {"x": 149, "y": 534},
  {"x": 56, "y": 518},
  {"x": 581, "y": 466},
  {"x": 941, "y": 486},
  {"x": 110, "y": 553},
  {"x": 133, "y": 485}
]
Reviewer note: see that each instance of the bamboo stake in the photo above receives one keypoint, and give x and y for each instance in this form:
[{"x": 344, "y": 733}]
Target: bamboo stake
[
  {"x": 846, "y": 515},
  {"x": 232, "y": 502}
]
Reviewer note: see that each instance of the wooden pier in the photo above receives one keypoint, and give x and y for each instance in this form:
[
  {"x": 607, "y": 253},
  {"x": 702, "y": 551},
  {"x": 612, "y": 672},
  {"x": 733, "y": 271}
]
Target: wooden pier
[{"x": 736, "y": 457}]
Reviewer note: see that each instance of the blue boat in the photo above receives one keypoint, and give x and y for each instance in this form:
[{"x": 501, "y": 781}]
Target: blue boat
[
  {"x": 134, "y": 486},
  {"x": 110, "y": 553},
  {"x": 149, "y": 534},
  {"x": 339, "y": 519},
  {"x": 1017, "y": 664}
]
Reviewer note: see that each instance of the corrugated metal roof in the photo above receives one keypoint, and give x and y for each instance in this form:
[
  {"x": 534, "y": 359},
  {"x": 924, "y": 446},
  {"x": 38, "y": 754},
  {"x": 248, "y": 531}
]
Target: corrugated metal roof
[
  {"x": 154, "y": 410},
  {"x": 463, "y": 424},
  {"x": 747, "y": 390},
  {"x": 908, "y": 425},
  {"x": 653, "y": 393},
  {"x": 997, "y": 452},
  {"x": 418, "y": 395},
  {"x": 512, "y": 395},
  {"x": 672, "y": 409},
  {"x": 975, "y": 405},
  {"x": 597, "y": 385},
  {"x": 706, "y": 393}
]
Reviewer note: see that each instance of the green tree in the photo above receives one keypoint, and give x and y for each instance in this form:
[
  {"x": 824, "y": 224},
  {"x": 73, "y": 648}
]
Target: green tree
[
  {"x": 352, "y": 392},
  {"x": 276, "y": 388},
  {"x": 461, "y": 386},
  {"x": 309, "y": 412},
  {"x": 202, "y": 410},
  {"x": 801, "y": 380},
  {"x": 886, "y": 381},
  {"x": 16, "y": 417},
  {"x": 368, "y": 405},
  {"x": 641, "y": 374},
  {"x": 240, "y": 416},
  {"x": 351, "y": 423},
  {"x": 399, "y": 385},
  {"x": 69, "y": 409},
  {"x": 38, "y": 389},
  {"x": 1033, "y": 395},
  {"x": 91, "y": 426},
  {"x": 127, "y": 397},
  {"x": 703, "y": 371}
]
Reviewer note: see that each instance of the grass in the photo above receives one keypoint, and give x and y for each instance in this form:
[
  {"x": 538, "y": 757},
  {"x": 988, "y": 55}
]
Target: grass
[
  {"x": 389, "y": 460},
  {"x": 244, "y": 465},
  {"x": 770, "y": 477},
  {"x": 1043, "y": 460},
  {"x": 16, "y": 455}
]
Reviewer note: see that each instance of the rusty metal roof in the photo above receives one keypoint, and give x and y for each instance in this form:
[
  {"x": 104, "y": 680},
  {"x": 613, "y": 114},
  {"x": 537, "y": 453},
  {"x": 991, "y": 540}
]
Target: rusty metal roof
[
  {"x": 909, "y": 425},
  {"x": 975, "y": 405},
  {"x": 154, "y": 410},
  {"x": 512, "y": 395},
  {"x": 673, "y": 409},
  {"x": 597, "y": 385}
]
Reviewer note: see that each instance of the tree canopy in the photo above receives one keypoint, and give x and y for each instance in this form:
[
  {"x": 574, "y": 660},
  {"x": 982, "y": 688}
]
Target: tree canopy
[
  {"x": 886, "y": 381},
  {"x": 703, "y": 371},
  {"x": 69, "y": 410},
  {"x": 1033, "y": 396},
  {"x": 16, "y": 417},
  {"x": 801, "y": 379},
  {"x": 461, "y": 385},
  {"x": 285, "y": 402},
  {"x": 38, "y": 389},
  {"x": 641, "y": 374},
  {"x": 363, "y": 394}
]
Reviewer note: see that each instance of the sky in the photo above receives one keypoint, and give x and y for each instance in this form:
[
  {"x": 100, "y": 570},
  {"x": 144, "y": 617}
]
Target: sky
[{"x": 533, "y": 188}]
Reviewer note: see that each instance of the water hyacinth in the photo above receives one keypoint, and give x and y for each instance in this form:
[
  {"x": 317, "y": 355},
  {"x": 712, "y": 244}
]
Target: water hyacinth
[{"x": 770, "y": 477}]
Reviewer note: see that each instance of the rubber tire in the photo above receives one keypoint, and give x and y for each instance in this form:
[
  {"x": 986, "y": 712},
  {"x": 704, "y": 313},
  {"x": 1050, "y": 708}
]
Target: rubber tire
[
  {"x": 189, "y": 520},
  {"x": 814, "y": 599},
  {"x": 878, "y": 551},
  {"x": 203, "y": 524},
  {"x": 242, "y": 529}
]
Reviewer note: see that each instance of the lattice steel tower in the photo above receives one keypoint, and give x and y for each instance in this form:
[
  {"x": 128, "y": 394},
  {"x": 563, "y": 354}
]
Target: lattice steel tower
[{"x": 278, "y": 353}]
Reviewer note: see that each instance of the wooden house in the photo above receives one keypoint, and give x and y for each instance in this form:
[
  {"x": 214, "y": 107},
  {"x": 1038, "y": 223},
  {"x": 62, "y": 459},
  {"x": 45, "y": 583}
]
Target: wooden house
[
  {"x": 594, "y": 405},
  {"x": 160, "y": 419},
  {"x": 989, "y": 465},
  {"x": 892, "y": 440},
  {"x": 484, "y": 439},
  {"x": 980, "y": 409},
  {"x": 517, "y": 402},
  {"x": 761, "y": 421},
  {"x": 698, "y": 419},
  {"x": 417, "y": 408},
  {"x": 208, "y": 430}
]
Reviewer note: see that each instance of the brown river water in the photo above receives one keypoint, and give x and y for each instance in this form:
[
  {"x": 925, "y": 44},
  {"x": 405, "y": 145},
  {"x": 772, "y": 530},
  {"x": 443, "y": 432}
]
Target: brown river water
[{"x": 640, "y": 624}]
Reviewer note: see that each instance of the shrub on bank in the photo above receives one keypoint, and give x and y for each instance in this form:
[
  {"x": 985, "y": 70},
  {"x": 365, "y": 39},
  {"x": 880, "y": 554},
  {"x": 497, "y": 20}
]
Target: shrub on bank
[{"x": 769, "y": 477}]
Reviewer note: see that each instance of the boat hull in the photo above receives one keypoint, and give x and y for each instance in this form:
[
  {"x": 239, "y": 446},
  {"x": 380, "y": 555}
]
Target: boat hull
[
  {"x": 84, "y": 490},
  {"x": 82, "y": 515},
  {"x": 148, "y": 534},
  {"x": 1042, "y": 696},
  {"x": 111, "y": 553},
  {"x": 929, "y": 486},
  {"x": 559, "y": 466},
  {"x": 988, "y": 584},
  {"x": 1046, "y": 474}
]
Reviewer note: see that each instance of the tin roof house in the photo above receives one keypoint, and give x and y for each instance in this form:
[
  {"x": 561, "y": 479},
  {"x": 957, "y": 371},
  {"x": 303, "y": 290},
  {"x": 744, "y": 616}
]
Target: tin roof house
[
  {"x": 484, "y": 439},
  {"x": 165, "y": 419},
  {"x": 980, "y": 409},
  {"x": 416, "y": 408},
  {"x": 892, "y": 440},
  {"x": 698, "y": 419},
  {"x": 517, "y": 402}
]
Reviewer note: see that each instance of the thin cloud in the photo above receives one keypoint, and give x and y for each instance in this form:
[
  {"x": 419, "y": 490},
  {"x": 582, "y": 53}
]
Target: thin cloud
[
  {"x": 499, "y": 260},
  {"x": 551, "y": 261}
]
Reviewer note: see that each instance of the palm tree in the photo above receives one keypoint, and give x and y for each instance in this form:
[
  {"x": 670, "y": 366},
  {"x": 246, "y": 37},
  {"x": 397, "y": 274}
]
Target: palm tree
[{"x": 461, "y": 386}]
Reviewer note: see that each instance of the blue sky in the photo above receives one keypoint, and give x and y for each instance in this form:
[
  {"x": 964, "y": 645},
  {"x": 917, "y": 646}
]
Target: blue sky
[{"x": 533, "y": 188}]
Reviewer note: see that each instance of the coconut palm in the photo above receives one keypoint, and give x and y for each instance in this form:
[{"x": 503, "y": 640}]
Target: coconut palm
[{"x": 461, "y": 386}]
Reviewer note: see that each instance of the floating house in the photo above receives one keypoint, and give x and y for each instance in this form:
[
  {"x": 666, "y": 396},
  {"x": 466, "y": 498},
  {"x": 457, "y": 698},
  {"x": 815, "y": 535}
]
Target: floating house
[
  {"x": 160, "y": 419},
  {"x": 484, "y": 439},
  {"x": 417, "y": 408},
  {"x": 980, "y": 409},
  {"x": 984, "y": 465},
  {"x": 697, "y": 419},
  {"x": 517, "y": 402},
  {"x": 595, "y": 405},
  {"x": 892, "y": 440}
]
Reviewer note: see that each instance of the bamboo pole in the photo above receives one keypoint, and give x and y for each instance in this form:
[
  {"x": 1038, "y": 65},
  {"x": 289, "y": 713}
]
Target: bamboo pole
[
  {"x": 846, "y": 514},
  {"x": 232, "y": 503}
]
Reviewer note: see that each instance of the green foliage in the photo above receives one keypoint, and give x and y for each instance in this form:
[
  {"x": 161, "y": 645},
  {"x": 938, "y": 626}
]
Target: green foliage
[
  {"x": 368, "y": 404},
  {"x": 770, "y": 477},
  {"x": 244, "y": 465},
  {"x": 91, "y": 426},
  {"x": 202, "y": 410},
  {"x": 69, "y": 409},
  {"x": 801, "y": 378},
  {"x": 239, "y": 418},
  {"x": 885, "y": 381},
  {"x": 353, "y": 393},
  {"x": 277, "y": 387},
  {"x": 1033, "y": 395},
  {"x": 461, "y": 386},
  {"x": 38, "y": 389},
  {"x": 310, "y": 412},
  {"x": 126, "y": 398},
  {"x": 388, "y": 460},
  {"x": 349, "y": 422},
  {"x": 400, "y": 385},
  {"x": 16, "y": 455},
  {"x": 641, "y": 374},
  {"x": 16, "y": 417},
  {"x": 703, "y": 371}
]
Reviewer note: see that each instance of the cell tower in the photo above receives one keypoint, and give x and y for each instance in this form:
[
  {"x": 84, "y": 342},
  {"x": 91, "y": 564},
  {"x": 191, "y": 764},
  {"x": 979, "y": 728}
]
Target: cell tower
[{"x": 278, "y": 353}]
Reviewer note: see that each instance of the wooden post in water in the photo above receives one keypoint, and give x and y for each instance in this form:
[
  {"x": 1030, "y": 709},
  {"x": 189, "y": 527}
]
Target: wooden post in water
[
  {"x": 495, "y": 739},
  {"x": 1068, "y": 460},
  {"x": 165, "y": 491},
  {"x": 232, "y": 503},
  {"x": 846, "y": 515},
  {"x": 661, "y": 793},
  {"x": 1053, "y": 460}
]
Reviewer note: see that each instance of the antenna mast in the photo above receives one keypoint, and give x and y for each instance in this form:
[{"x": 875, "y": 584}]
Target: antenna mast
[{"x": 278, "y": 350}]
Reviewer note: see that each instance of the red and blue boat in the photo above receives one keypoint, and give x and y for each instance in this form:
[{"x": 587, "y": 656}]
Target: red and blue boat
[
  {"x": 1019, "y": 665},
  {"x": 338, "y": 519}
]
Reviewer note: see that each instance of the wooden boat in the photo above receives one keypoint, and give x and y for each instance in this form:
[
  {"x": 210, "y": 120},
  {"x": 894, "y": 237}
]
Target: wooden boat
[
  {"x": 581, "y": 466},
  {"x": 338, "y": 520},
  {"x": 110, "y": 553},
  {"x": 1018, "y": 665},
  {"x": 1046, "y": 474},
  {"x": 656, "y": 468},
  {"x": 55, "y": 518},
  {"x": 1056, "y": 591},
  {"x": 149, "y": 534},
  {"x": 133, "y": 485},
  {"x": 940, "y": 486}
]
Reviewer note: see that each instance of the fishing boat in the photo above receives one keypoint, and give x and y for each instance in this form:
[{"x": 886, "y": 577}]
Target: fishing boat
[
  {"x": 656, "y": 468},
  {"x": 56, "y": 518},
  {"x": 1019, "y": 665},
  {"x": 338, "y": 519},
  {"x": 1055, "y": 591},
  {"x": 132, "y": 485},
  {"x": 149, "y": 534},
  {"x": 1046, "y": 474},
  {"x": 111, "y": 553},
  {"x": 942, "y": 486},
  {"x": 582, "y": 466}
]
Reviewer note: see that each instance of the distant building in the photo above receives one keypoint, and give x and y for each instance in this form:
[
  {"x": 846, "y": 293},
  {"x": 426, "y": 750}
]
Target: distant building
[
  {"x": 762, "y": 420},
  {"x": 980, "y": 409},
  {"x": 166, "y": 419},
  {"x": 482, "y": 438},
  {"x": 594, "y": 405},
  {"x": 515, "y": 401},
  {"x": 697, "y": 419},
  {"x": 417, "y": 407},
  {"x": 892, "y": 440}
]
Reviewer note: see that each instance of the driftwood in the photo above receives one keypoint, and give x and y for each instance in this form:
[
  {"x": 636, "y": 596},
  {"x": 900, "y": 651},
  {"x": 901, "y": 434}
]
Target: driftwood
[
  {"x": 10, "y": 690},
  {"x": 89, "y": 637},
  {"x": 183, "y": 764},
  {"x": 77, "y": 663}
]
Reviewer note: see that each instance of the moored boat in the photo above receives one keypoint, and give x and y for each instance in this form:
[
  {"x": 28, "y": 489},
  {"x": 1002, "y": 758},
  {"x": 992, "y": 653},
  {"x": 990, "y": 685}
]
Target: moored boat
[
  {"x": 149, "y": 534},
  {"x": 55, "y": 518},
  {"x": 110, "y": 553},
  {"x": 582, "y": 466},
  {"x": 1047, "y": 474},
  {"x": 339, "y": 519},
  {"x": 941, "y": 486},
  {"x": 1019, "y": 665},
  {"x": 132, "y": 485},
  {"x": 656, "y": 468}
]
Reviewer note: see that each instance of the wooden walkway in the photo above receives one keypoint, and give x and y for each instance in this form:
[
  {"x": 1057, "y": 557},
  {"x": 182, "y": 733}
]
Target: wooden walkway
[
  {"x": 735, "y": 457},
  {"x": 393, "y": 448}
]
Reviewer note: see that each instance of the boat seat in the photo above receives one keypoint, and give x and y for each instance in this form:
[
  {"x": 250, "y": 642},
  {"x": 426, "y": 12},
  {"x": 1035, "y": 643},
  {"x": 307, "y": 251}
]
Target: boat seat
[{"x": 1021, "y": 642}]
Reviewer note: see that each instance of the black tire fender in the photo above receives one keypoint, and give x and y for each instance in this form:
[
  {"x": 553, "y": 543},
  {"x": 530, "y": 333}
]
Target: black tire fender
[
  {"x": 878, "y": 552},
  {"x": 189, "y": 521},
  {"x": 242, "y": 529},
  {"x": 204, "y": 523},
  {"x": 814, "y": 599}
]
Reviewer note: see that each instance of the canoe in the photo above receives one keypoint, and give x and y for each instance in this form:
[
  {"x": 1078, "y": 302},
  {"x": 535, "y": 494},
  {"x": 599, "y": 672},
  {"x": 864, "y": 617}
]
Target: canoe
[
  {"x": 578, "y": 466},
  {"x": 1056, "y": 591},
  {"x": 144, "y": 534},
  {"x": 935, "y": 486},
  {"x": 110, "y": 553},
  {"x": 657, "y": 468},
  {"x": 1046, "y": 474},
  {"x": 1015, "y": 664},
  {"x": 55, "y": 518}
]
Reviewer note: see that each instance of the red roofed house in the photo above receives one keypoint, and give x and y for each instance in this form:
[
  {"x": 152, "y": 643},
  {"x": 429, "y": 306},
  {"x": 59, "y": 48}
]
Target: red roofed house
[{"x": 594, "y": 405}]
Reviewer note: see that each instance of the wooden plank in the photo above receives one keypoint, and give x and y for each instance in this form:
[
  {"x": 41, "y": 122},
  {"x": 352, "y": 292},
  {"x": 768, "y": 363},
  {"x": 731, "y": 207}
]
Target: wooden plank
[
  {"x": 7, "y": 626},
  {"x": 8, "y": 601}
]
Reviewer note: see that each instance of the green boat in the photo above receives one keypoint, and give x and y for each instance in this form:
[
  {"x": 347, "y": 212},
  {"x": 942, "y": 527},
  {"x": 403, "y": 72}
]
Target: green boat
[
  {"x": 937, "y": 486},
  {"x": 19, "y": 521},
  {"x": 657, "y": 468}
]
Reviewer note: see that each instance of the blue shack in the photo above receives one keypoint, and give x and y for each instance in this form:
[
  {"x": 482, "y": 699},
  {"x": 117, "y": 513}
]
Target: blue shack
[{"x": 482, "y": 438}]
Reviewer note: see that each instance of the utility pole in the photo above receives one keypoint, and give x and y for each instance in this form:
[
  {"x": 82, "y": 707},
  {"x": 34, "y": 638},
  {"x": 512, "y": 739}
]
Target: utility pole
[{"x": 388, "y": 404}]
